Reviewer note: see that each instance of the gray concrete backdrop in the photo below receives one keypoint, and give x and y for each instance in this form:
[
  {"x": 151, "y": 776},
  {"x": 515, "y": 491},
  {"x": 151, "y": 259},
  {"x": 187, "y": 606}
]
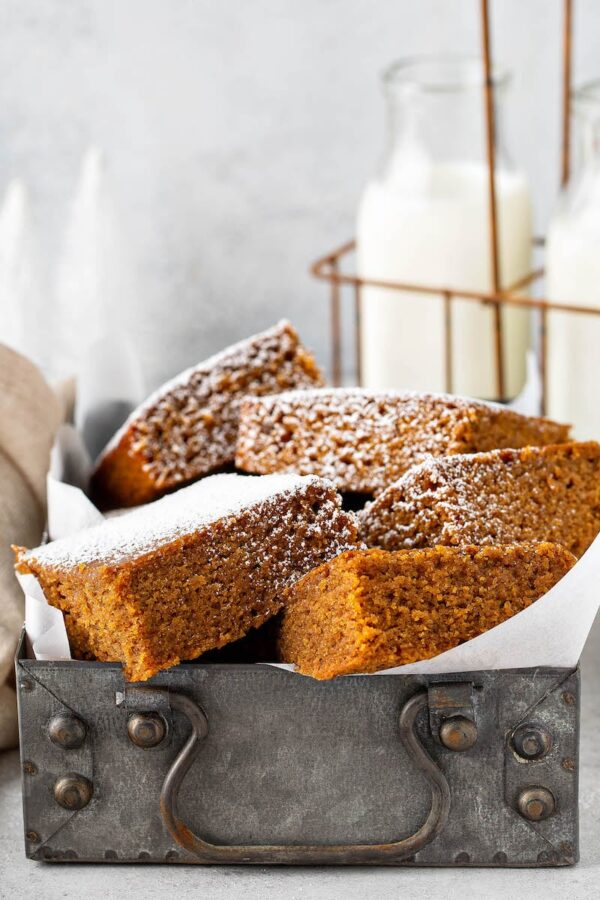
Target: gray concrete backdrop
[{"x": 239, "y": 134}]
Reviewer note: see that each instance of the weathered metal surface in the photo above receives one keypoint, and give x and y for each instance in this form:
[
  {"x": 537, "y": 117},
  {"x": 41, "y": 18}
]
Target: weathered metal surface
[
  {"x": 452, "y": 716},
  {"x": 458, "y": 734},
  {"x": 536, "y": 803},
  {"x": 556, "y": 712},
  {"x": 73, "y": 791},
  {"x": 288, "y": 762},
  {"x": 531, "y": 741},
  {"x": 67, "y": 731},
  {"x": 146, "y": 730},
  {"x": 322, "y": 853}
]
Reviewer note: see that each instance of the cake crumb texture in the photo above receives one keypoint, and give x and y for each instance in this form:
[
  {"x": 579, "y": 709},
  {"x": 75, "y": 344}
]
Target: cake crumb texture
[
  {"x": 188, "y": 427},
  {"x": 363, "y": 441},
  {"x": 190, "y": 572},
  {"x": 532, "y": 494},
  {"x": 368, "y": 610}
]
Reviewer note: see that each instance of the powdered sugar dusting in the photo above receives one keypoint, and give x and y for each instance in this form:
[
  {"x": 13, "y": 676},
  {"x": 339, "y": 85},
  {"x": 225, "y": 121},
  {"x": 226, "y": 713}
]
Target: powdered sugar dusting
[
  {"x": 185, "y": 512},
  {"x": 364, "y": 440},
  {"x": 333, "y": 396},
  {"x": 504, "y": 496},
  {"x": 188, "y": 428},
  {"x": 232, "y": 357}
]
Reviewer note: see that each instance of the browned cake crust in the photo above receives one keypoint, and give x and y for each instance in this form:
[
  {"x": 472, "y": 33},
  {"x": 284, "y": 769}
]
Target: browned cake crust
[
  {"x": 371, "y": 609},
  {"x": 534, "y": 494},
  {"x": 192, "y": 571},
  {"x": 364, "y": 441},
  {"x": 188, "y": 427}
]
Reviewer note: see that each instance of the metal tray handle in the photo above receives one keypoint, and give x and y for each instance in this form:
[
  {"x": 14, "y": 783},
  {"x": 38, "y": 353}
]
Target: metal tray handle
[{"x": 313, "y": 854}]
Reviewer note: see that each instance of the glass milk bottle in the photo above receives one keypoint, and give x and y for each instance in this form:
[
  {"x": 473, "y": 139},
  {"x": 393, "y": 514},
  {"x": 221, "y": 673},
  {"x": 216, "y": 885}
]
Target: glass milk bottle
[
  {"x": 424, "y": 220},
  {"x": 573, "y": 277}
]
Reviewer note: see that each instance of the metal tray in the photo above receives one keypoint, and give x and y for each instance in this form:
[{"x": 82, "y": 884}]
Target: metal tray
[{"x": 235, "y": 763}]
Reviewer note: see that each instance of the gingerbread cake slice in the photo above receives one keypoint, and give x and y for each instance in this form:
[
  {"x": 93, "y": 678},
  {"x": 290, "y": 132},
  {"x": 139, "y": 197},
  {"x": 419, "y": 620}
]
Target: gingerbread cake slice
[
  {"x": 533, "y": 494},
  {"x": 363, "y": 441},
  {"x": 188, "y": 427},
  {"x": 371, "y": 609},
  {"x": 190, "y": 572}
]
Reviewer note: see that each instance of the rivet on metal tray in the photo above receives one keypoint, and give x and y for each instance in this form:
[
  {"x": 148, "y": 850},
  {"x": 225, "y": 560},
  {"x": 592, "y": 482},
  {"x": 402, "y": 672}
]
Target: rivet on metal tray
[
  {"x": 568, "y": 764},
  {"x": 73, "y": 791},
  {"x": 67, "y": 731},
  {"x": 33, "y": 836},
  {"x": 536, "y": 803},
  {"x": 26, "y": 685},
  {"x": 29, "y": 768},
  {"x": 171, "y": 855},
  {"x": 532, "y": 741},
  {"x": 458, "y": 733},
  {"x": 500, "y": 858},
  {"x": 462, "y": 859},
  {"x": 143, "y": 854},
  {"x": 111, "y": 854},
  {"x": 568, "y": 698},
  {"x": 146, "y": 729}
]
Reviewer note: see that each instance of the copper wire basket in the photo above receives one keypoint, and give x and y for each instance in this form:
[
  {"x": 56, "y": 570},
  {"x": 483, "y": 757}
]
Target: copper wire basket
[{"x": 330, "y": 267}]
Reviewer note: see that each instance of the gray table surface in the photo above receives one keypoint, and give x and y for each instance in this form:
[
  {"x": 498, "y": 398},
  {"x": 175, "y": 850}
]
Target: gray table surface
[{"x": 20, "y": 877}]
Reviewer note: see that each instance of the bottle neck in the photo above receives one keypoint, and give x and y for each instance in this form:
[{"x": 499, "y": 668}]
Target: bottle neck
[
  {"x": 435, "y": 112},
  {"x": 587, "y": 127},
  {"x": 582, "y": 195}
]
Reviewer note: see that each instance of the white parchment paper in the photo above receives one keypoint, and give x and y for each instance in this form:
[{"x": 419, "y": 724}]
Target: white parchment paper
[
  {"x": 44, "y": 625},
  {"x": 69, "y": 510},
  {"x": 550, "y": 632}
]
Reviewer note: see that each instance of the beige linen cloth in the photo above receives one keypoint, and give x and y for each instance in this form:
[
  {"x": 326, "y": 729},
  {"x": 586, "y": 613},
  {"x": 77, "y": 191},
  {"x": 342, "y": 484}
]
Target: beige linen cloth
[{"x": 30, "y": 413}]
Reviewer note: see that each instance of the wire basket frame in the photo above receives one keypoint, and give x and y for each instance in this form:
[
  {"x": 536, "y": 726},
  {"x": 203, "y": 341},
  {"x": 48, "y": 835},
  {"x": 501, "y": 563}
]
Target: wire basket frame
[{"x": 329, "y": 267}]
